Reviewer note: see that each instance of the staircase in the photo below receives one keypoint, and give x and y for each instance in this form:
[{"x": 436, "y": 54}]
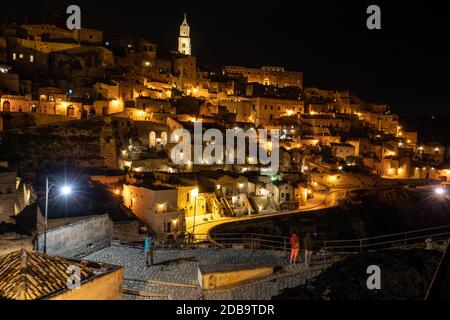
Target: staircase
[
  {"x": 253, "y": 205},
  {"x": 227, "y": 207},
  {"x": 20, "y": 194}
]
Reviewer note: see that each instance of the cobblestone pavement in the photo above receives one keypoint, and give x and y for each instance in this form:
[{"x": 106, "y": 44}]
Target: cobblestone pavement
[{"x": 175, "y": 274}]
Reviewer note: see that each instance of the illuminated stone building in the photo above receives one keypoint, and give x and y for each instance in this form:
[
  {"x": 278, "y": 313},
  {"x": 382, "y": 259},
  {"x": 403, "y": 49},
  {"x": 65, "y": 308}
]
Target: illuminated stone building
[
  {"x": 268, "y": 108},
  {"x": 184, "y": 71},
  {"x": 269, "y": 76},
  {"x": 157, "y": 206},
  {"x": 396, "y": 167},
  {"x": 342, "y": 150}
]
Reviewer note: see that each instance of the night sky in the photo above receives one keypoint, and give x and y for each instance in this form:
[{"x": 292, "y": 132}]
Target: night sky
[{"x": 406, "y": 64}]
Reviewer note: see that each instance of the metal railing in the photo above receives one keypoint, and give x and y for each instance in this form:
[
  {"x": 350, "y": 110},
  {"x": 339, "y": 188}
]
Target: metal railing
[
  {"x": 385, "y": 242},
  {"x": 438, "y": 289},
  {"x": 249, "y": 241},
  {"x": 259, "y": 241}
]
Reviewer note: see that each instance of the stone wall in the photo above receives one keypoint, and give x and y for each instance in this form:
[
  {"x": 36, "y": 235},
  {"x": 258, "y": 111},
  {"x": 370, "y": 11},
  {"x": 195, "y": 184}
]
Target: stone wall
[
  {"x": 79, "y": 238},
  {"x": 26, "y": 119},
  {"x": 8, "y": 195},
  {"x": 74, "y": 142},
  {"x": 212, "y": 277},
  {"x": 13, "y": 242},
  {"x": 351, "y": 180}
]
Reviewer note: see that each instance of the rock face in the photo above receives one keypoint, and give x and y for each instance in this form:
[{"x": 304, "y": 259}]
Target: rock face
[
  {"x": 74, "y": 141},
  {"x": 405, "y": 274}
]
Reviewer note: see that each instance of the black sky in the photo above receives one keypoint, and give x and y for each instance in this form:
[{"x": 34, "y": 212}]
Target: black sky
[{"x": 406, "y": 64}]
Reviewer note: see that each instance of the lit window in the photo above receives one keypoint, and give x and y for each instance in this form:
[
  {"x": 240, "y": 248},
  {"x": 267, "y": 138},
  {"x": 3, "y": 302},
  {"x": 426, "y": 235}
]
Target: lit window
[
  {"x": 21, "y": 56},
  {"x": 14, "y": 56},
  {"x": 31, "y": 58}
]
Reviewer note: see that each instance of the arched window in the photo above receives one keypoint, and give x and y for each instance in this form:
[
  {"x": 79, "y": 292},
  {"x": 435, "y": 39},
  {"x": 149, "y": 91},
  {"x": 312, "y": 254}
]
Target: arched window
[
  {"x": 152, "y": 139},
  {"x": 266, "y": 82},
  {"x": 163, "y": 138}
]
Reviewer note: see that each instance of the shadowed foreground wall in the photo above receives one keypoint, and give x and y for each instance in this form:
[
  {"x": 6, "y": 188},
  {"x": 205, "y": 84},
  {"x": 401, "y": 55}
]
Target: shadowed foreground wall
[
  {"x": 78, "y": 238},
  {"x": 104, "y": 287}
]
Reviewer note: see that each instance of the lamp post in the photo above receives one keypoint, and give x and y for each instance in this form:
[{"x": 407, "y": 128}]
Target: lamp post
[
  {"x": 65, "y": 190},
  {"x": 194, "y": 193}
]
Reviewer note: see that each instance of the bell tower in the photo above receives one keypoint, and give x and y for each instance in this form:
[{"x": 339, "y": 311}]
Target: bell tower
[{"x": 184, "y": 41}]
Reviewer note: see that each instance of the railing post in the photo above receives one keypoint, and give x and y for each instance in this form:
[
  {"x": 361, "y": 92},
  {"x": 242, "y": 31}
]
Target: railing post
[
  {"x": 284, "y": 245},
  {"x": 406, "y": 239},
  {"x": 360, "y": 245}
]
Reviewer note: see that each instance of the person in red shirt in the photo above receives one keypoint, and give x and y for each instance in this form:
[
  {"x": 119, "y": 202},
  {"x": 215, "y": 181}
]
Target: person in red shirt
[{"x": 295, "y": 247}]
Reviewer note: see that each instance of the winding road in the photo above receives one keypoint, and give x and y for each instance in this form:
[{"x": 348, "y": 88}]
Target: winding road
[{"x": 319, "y": 202}]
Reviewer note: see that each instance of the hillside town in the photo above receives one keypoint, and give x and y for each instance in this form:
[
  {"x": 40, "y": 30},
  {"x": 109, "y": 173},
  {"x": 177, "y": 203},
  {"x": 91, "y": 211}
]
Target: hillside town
[{"x": 96, "y": 114}]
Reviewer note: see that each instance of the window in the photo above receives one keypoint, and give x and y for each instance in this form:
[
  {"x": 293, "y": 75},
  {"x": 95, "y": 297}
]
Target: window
[
  {"x": 14, "y": 56},
  {"x": 21, "y": 56},
  {"x": 183, "y": 45},
  {"x": 31, "y": 58}
]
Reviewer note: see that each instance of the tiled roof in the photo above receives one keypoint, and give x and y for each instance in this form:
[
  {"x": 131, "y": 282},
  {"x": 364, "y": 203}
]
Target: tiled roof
[{"x": 28, "y": 275}]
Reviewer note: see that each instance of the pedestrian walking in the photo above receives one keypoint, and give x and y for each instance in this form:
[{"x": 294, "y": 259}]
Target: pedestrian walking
[
  {"x": 309, "y": 247},
  {"x": 149, "y": 249},
  {"x": 295, "y": 247}
]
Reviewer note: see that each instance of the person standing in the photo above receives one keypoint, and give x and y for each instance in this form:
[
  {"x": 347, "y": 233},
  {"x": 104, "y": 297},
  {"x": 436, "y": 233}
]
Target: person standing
[
  {"x": 309, "y": 247},
  {"x": 149, "y": 249},
  {"x": 295, "y": 247}
]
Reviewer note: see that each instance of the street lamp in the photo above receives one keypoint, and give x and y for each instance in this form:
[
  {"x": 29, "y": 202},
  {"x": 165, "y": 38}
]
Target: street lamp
[
  {"x": 194, "y": 194},
  {"x": 65, "y": 190}
]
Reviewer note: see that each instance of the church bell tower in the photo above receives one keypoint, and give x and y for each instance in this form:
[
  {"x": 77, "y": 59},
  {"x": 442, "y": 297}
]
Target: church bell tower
[{"x": 184, "y": 41}]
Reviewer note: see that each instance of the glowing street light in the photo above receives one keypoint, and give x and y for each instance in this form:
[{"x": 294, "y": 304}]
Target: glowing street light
[
  {"x": 439, "y": 191},
  {"x": 65, "y": 191}
]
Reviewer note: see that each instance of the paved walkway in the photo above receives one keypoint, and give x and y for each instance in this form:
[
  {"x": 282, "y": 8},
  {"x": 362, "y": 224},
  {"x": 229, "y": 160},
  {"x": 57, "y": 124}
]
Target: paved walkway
[{"x": 175, "y": 274}]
